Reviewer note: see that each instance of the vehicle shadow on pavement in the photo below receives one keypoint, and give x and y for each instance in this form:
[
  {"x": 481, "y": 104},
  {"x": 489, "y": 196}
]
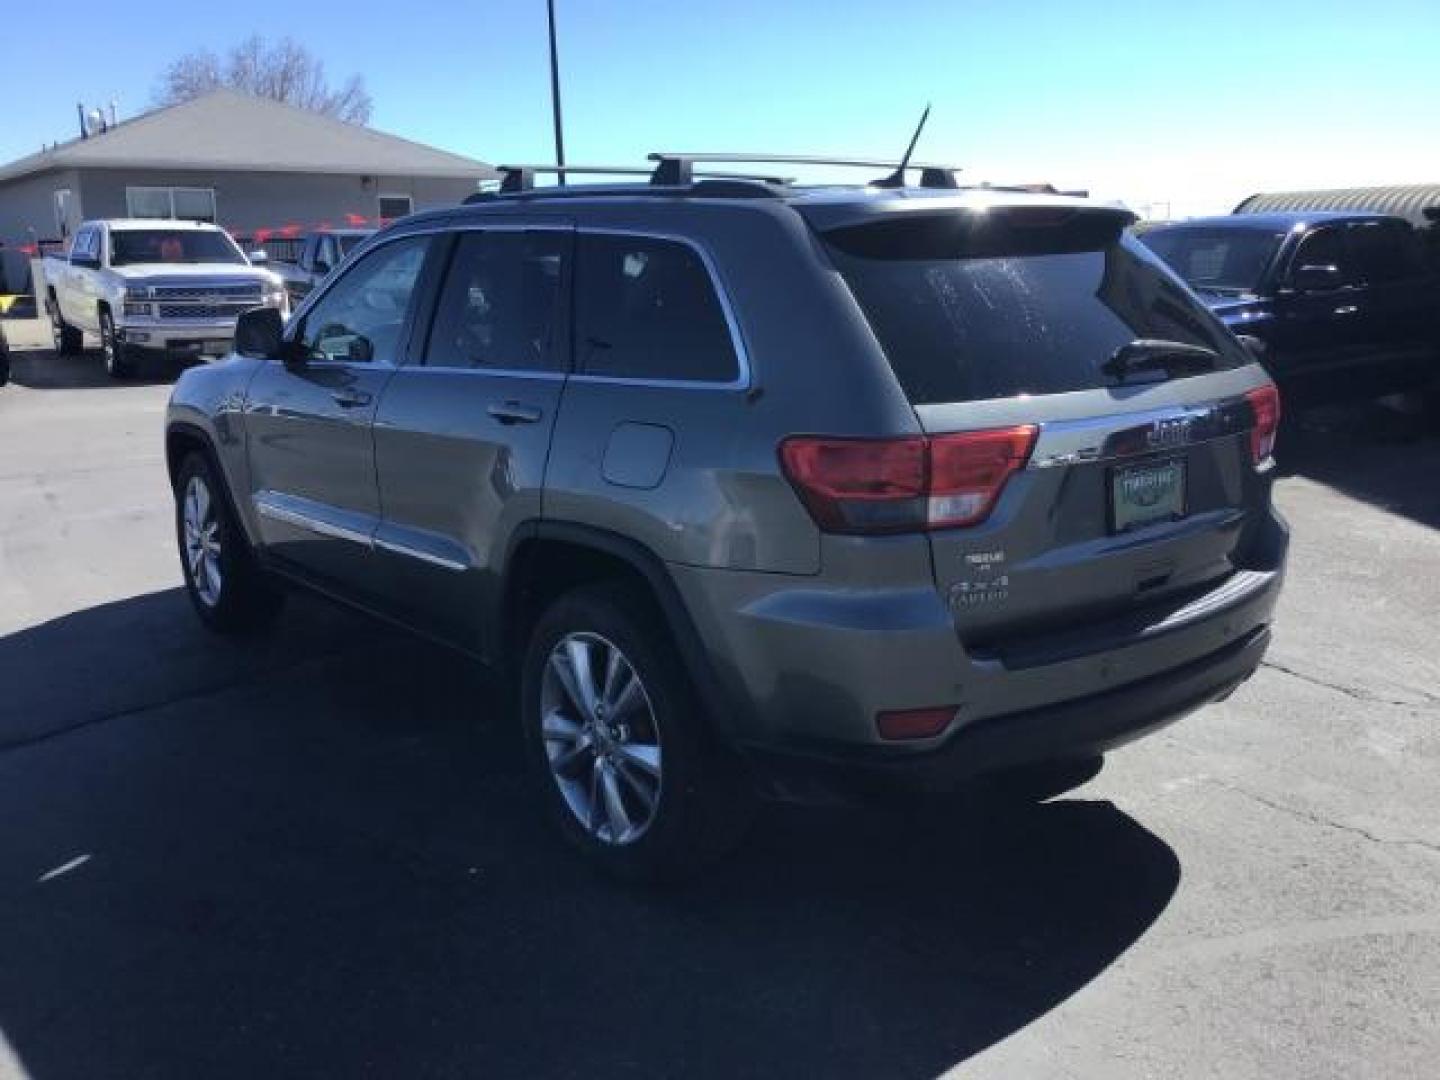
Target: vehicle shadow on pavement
[
  {"x": 320, "y": 858},
  {"x": 44, "y": 369},
  {"x": 1371, "y": 452}
]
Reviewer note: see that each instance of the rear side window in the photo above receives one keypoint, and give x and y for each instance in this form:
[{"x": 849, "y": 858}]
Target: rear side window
[
  {"x": 646, "y": 308},
  {"x": 969, "y": 310},
  {"x": 500, "y": 307},
  {"x": 1385, "y": 252}
]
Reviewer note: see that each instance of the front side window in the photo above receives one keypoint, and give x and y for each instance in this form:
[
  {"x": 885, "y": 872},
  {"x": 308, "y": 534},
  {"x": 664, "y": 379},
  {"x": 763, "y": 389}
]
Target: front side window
[
  {"x": 361, "y": 317},
  {"x": 131, "y": 246},
  {"x": 83, "y": 246},
  {"x": 646, "y": 308},
  {"x": 1325, "y": 247},
  {"x": 500, "y": 307}
]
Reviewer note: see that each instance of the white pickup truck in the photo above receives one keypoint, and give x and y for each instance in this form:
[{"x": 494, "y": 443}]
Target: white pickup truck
[{"x": 175, "y": 287}]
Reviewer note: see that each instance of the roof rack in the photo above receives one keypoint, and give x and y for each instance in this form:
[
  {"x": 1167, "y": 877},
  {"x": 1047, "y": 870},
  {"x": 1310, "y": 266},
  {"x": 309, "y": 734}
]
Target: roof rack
[
  {"x": 679, "y": 167},
  {"x": 515, "y": 179},
  {"x": 673, "y": 171}
]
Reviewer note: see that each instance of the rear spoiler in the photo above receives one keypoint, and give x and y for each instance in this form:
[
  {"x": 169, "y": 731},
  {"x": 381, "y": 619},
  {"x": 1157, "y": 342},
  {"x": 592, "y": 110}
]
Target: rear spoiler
[
  {"x": 824, "y": 216},
  {"x": 1005, "y": 231}
]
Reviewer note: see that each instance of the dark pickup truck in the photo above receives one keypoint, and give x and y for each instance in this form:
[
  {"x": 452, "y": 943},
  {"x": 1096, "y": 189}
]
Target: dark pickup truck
[
  {"x": 320, "y": 253},
  {"x": 1346, "y": 304}
]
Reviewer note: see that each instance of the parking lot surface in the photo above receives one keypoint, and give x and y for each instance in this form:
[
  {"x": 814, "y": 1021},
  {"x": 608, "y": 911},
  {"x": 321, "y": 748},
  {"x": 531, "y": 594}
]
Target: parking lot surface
[{"x": 314, "y": 854}]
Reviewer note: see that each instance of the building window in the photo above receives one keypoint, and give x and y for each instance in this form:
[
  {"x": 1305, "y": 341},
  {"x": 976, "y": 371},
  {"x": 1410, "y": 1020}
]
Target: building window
[
  {"x": 395, "y": 206},
  {"x": 177, "y": 203}
]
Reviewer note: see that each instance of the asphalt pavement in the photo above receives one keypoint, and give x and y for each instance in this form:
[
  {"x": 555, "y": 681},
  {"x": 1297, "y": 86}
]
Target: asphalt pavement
[{"x": 315, "y": 855}]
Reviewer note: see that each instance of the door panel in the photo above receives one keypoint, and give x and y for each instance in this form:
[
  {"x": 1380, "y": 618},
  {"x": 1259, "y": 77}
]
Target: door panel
[
  {"x": 308, "y": 423},
  {"x": 1401, "y": 298},
  {"x": 1318, "y": 332},
  {"x": 462, "y": 439}
]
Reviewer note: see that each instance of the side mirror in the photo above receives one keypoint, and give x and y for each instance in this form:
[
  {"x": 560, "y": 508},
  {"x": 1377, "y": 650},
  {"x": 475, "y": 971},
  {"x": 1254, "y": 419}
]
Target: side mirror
[
  {"x": 1254, "y": 346},
  {"x": 1316, "y": 278},
  {"x": 259, "y": 257},
  {"x": 260, "y": 334}
]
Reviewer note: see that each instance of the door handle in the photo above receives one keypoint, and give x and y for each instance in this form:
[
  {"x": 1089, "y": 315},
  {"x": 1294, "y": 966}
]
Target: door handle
[
  {"x": 514, "y": 412},
  {"x": 1347, "y": 309},
  {"x": 351, "y": 399}
]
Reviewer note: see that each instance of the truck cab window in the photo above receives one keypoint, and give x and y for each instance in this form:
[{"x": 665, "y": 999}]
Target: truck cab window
[
  {"x": 1385, "y": 252},
  {"x": 1325, "y": 247}
]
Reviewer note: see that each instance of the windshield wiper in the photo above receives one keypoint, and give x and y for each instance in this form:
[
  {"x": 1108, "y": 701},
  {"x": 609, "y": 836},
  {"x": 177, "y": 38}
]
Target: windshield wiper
[{"x": 1148, "y": 354}]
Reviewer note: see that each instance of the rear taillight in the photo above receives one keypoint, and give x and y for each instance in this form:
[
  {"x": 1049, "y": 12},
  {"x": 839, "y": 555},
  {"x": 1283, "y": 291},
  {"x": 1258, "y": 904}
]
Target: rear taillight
[
  {"x": 1265, "y": 404},
  {"x": 906, "y": 484}
]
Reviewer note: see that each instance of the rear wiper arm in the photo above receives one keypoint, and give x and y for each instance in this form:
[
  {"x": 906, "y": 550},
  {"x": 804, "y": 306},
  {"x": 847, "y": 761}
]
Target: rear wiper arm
[{"x": 1147, "y": 354}]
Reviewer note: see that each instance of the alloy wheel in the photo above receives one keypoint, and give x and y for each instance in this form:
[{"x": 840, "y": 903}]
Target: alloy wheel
[
  {"x": 108, "y": 346},
  {"x": 601, "y": 737},
  {"x": 202, "y": 541}
]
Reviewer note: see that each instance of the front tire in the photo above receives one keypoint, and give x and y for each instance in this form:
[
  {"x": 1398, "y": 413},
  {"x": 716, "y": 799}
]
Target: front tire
[
  {"x": 119, "y": 357},
  {"x": 228, "y": 590},
  {"x": 68, "y": 340},
  {"x": 617, "y": 743}
]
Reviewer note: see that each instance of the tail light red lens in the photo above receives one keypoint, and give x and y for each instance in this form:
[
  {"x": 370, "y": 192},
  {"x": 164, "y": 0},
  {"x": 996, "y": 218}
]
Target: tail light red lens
[
  {"x": 906, "y": 484},
  {"x": 1265, "y": 403}
]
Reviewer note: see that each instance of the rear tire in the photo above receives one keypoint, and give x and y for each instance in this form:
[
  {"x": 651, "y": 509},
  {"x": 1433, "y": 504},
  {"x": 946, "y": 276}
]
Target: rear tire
[
  {"x": 227, "y": 588},
  {"x": 119, "y": 357},
  {"x": 632, "y": 775},
  {"x": 68, "y": 340}
]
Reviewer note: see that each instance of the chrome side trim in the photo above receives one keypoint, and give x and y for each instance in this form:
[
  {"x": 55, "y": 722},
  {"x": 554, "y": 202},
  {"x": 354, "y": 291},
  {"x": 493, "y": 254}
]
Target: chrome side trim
[
  {"x": 395, "y": 547},
  {"x": 286, "y": 508},
  {"x": 1121, "y": 435}
]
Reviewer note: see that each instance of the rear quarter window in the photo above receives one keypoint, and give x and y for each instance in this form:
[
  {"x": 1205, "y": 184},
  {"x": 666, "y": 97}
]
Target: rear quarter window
[
  {"x": 970, "y": 312},
  {"x": 647, "y": 308}
]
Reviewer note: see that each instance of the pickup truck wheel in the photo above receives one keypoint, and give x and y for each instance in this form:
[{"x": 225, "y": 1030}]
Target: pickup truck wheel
[
  {"x": 228, "y": 589},
  {"x": 119, "y": 357},
  {"x": 616, "y": 743},
  {"x": 68, "y": 340}
]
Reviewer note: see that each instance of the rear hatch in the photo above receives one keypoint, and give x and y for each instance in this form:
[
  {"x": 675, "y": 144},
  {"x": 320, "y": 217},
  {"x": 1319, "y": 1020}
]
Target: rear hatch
[{"x": 1120, "y": 487}]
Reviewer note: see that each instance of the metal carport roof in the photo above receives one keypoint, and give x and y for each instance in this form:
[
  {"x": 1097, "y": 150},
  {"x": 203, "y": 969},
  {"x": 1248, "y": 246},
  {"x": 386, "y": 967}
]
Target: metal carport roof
[{"x": 1409, "y": 201}]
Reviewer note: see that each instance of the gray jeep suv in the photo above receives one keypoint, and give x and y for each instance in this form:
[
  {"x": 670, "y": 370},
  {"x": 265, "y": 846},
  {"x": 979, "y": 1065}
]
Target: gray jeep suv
[{"x": 756, "y": 485}]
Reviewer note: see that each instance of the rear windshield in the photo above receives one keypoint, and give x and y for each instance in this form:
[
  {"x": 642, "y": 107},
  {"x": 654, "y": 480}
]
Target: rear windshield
[
  {"x": 1216, "y": 260},
  {"x": 128, "y": 246},
  {"x": 970, "y": 311}
]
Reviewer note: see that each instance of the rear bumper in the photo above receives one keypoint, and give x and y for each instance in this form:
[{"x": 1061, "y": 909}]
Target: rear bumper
[
  {"x": 1076, "y": 728},
  {"x": 807, "y": 669}
]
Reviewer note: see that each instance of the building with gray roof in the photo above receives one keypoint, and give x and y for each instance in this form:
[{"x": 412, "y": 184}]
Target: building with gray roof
[{"x": 255, "y": 166}]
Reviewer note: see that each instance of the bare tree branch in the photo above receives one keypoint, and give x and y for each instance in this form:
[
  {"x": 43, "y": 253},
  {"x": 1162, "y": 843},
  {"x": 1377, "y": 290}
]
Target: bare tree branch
[{"x": 283, "y": 70}]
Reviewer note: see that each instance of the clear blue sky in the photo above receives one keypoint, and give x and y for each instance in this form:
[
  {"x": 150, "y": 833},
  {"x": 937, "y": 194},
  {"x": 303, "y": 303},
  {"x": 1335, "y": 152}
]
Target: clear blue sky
[{"x": 1194, "y": 104}]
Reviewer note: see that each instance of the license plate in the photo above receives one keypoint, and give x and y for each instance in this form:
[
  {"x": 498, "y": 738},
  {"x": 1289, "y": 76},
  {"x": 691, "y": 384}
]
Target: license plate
[{"x": 1143, "y": 494}]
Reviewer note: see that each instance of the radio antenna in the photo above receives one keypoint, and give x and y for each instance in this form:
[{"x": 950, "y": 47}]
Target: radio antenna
[{"x": 897, "y": 178}]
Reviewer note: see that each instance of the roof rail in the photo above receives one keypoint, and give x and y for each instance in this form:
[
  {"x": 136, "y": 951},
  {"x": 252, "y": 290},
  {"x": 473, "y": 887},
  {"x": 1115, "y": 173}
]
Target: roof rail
[{"x": 680, "y": 166}]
